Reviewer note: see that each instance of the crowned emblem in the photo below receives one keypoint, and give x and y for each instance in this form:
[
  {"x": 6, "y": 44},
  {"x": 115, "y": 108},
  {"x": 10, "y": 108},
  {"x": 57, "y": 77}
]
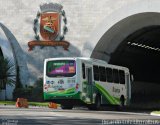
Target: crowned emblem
[
  {"x": 50, "y": 25},
  {"x": 47, "y": 26},
  {"x": 50, "y": 19}
]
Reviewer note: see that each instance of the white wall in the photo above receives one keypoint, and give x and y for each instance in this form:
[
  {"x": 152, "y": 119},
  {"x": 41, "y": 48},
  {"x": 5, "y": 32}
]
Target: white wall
[{"x": 83, "y": 17}]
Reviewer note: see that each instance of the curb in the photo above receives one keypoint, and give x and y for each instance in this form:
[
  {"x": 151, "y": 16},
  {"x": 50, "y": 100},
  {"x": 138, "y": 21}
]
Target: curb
[{"x": 155, "y": 114}]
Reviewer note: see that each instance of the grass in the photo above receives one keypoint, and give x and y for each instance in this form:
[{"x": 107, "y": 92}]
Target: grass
[
  {"x": 38, "y": 103},
  {"x": 7, "y": 103},
  {"x": 156, "y": 112},
  {"x": 30, "y": 103}
]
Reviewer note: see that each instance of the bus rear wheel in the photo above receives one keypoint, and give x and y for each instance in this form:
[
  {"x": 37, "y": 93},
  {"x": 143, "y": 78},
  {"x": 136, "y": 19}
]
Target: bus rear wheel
[{"x": 66, "y": 106}]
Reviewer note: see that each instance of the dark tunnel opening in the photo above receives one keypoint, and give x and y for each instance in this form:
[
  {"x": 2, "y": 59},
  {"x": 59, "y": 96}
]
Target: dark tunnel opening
[{"x": 140, "y": 52}]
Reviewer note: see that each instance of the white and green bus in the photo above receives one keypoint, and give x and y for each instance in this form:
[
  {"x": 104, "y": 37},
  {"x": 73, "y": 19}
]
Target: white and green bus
[{"x": 85, "y": 81}]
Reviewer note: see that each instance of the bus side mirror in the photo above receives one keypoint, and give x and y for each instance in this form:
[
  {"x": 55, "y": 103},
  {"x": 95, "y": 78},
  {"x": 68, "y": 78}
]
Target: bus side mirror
[{"x": 132, "y": 78}]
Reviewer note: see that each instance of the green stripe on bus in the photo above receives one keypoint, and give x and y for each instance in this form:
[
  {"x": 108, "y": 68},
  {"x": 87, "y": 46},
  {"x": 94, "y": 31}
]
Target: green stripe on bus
[
  {"x": 48, "y": 96},
  {"x": 117, "y": 99},
  {"x": 111, "y": 99}
]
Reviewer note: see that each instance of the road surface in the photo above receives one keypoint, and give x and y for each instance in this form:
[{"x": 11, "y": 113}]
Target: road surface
[{"x": 10, "y": 115}]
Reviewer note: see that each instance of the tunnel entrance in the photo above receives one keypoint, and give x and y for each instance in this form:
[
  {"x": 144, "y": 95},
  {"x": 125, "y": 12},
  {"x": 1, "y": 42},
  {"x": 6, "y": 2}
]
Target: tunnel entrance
[
  {"x": 140, "y": 52},
  {"x": 134, "y": 42}
]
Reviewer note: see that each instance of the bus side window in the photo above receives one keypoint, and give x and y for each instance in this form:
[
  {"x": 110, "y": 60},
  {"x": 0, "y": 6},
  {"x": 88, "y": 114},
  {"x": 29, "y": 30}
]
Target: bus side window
[
  {"x": 121, "y": 77},
  {"x": 102, "y": 73},
  {"x": 109, "y": 75},
  {"x": 96, "y": 72},
  {"x": 83, "y": 71},
  {"x": 115, "y": 76}
]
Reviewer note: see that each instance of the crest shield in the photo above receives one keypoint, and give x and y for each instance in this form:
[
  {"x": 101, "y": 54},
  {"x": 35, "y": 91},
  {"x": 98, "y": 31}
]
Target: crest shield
[
  {"x": 49, "y": 25},
  {"x": 49, "y": 22}
]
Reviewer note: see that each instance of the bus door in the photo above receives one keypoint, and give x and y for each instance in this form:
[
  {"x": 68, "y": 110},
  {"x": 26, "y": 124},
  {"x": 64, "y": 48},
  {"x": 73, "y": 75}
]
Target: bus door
[
  {"x": 89, "y": 83},
  {"x": 128, "y": 87}
]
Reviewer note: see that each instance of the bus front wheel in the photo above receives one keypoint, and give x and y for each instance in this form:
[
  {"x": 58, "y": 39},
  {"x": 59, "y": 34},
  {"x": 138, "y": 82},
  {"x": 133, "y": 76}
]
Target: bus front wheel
[
  {"x": 97, "y": 104},
  {"x": 121, "y": 106}
]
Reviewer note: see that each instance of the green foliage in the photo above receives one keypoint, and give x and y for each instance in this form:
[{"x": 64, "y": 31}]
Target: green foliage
[
  {"x": 32, "y": 93},
  {"x": 37, "y": 93},
  {"x": 7, "y": 72},
  {"x": 22, "y": 93},
  {"x": 39, "y": 83},
  {"x": 18, "y": 82}
]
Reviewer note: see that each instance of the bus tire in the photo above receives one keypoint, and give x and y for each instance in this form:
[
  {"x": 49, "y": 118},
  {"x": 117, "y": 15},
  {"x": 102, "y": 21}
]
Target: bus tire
[
  {"x": 66, "y": 106},
  {"x": 97, "y": 104},
  {"x": 121, "y": 106}
]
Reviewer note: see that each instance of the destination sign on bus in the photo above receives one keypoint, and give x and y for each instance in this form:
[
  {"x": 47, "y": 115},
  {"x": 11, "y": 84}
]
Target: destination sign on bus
[{"x": 61, "y": 67}]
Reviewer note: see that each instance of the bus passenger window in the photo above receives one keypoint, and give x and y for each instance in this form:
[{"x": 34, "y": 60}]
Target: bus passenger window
[
  {"x": 109, "y": 75},
  {"x": 96, "y": 73},
  {"x": 83, "y": 71},
  {"x": 102, "y": 73},
  {"x": 115, "y": 76},
  {"x": 121, "y": 77}
]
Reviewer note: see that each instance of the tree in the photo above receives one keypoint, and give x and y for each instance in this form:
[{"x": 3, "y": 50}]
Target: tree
[
  {"x": 37, "y": 92},
  {"x": 7, "y": 73}
]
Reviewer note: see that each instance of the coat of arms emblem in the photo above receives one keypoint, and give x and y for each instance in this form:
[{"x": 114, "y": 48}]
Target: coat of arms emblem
[{"x": 48, "y": 25}]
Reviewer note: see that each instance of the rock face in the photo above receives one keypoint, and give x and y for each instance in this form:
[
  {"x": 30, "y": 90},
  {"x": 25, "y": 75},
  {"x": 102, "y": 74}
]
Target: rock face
[
  {"x": 18, "y": 54},
  {"x": 7, "y": 53}
]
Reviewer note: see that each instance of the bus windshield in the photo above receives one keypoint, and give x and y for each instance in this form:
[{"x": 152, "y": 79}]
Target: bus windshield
[{"x": 63, "y": 68}]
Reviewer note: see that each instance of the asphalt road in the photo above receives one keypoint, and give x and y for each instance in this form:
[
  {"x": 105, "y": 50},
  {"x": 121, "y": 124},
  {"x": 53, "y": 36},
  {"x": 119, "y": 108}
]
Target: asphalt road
[{"x": 10, "y": 115}]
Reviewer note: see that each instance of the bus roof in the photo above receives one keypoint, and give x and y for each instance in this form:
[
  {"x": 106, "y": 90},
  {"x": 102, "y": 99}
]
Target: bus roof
[
  {"x": 60, "y": 58},
  {"x": 74, "y": 58},
  {"x": 97, "y": 61}
]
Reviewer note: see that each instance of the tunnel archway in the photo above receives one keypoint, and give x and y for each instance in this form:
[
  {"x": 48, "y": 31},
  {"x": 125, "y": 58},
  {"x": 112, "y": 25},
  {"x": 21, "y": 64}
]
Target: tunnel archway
[
  {"x": 134, "y": 42},
  {"x": 115, "y": 35},
  {"x": 140, "y": 52}
]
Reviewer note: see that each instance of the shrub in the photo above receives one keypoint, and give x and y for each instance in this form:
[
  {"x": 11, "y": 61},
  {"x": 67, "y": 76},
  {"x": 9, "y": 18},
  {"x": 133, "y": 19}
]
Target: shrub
[
  {"x": 22, "y": 93},
  {"x": 32, "y": 93},
  {"x": 37, "y": 92}
]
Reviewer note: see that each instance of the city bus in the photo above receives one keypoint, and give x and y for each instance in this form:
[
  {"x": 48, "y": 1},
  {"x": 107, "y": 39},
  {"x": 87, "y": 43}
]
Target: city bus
[{"x": 85, "y": 81}]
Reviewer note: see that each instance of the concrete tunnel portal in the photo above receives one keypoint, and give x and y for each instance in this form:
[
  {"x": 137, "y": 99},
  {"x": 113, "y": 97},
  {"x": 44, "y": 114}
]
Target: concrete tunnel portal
[
  {"x": 134, "y": 42},
  {"x": 140, "y": 52}
]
